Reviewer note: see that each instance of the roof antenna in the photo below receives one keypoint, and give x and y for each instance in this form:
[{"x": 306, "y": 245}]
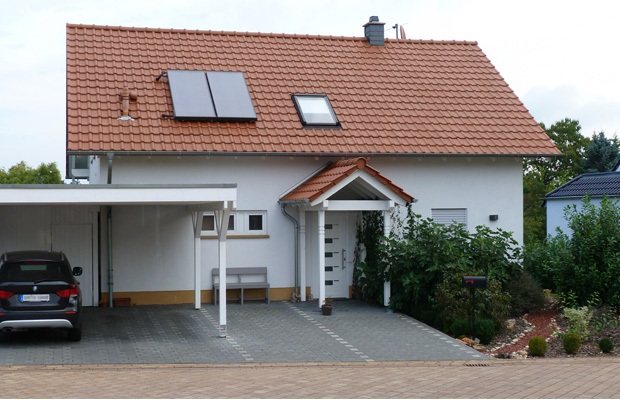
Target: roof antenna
[{"x": 401, "y": 31}]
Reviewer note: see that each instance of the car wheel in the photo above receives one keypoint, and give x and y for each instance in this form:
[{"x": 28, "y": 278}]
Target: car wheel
[{"x": 75, "y": 334}]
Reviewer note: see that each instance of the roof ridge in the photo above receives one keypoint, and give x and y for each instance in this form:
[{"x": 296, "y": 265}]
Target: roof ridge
[{"x": 263, "y": 34}]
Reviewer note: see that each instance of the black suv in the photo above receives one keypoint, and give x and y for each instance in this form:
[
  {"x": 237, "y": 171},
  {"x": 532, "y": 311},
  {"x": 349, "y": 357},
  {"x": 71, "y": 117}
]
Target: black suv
[{"x": 38, "y": 290}]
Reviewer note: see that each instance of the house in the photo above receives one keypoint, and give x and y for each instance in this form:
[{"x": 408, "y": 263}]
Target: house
[
  {"x": 596, "y": 185},
  {"x": 286, "y": 137}
]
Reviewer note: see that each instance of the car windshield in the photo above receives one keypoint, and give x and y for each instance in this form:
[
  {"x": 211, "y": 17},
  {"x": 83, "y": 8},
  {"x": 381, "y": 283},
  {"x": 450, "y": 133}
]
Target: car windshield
[{"x": 32, "y": 272}]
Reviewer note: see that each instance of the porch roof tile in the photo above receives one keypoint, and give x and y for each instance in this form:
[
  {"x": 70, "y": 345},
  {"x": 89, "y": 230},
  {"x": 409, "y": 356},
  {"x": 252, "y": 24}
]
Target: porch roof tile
[{"x": 332, "y": 174}]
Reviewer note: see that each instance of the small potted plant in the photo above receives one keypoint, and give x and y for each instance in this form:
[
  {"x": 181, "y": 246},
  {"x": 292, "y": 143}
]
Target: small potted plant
[{"x": 327, "y": 306}]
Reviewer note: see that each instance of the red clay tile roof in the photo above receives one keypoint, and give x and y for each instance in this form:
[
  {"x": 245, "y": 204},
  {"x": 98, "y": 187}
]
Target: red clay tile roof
[
  {"x": 335, "y": 172},
  {"x": 407, "y": 97}
]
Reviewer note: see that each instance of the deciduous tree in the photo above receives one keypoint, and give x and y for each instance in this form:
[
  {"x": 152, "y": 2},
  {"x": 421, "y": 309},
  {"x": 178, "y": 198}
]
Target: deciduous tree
[
  {"x": 543, "y": 174},
  {"x": 22, "y": 173}
]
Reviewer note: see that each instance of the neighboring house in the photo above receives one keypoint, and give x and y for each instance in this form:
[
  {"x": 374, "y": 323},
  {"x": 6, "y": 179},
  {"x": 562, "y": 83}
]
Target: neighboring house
[
  {"x": 293, "y": 135},
  {"x": 596, "y": 185}
]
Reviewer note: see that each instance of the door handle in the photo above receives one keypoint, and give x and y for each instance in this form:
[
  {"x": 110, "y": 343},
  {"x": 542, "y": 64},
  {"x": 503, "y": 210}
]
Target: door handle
[{"x": 344, "y": 258}]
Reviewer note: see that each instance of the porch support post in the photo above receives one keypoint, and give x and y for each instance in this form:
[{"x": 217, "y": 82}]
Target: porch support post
[
  {"x": 321, "y": 246},
  {"x": 197, "y": 221},
  {"x": 302, "y": 254},
  {"x": 221, "y": 220},
  {"x": 387, "y": 226}
]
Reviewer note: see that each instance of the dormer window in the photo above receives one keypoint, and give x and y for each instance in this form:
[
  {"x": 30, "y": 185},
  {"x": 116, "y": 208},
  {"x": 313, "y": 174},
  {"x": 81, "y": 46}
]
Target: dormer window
[{"x": 315, "y": 111}]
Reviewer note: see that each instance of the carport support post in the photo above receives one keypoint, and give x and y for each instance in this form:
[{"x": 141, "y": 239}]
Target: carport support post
[
  {"x": 321, "y": 257},
  {"x": 387, "y": 227},
  {"x": 221, "y": 220},
  {"x": 302, "y": 254},
  {"x": 197, "y": 220}
]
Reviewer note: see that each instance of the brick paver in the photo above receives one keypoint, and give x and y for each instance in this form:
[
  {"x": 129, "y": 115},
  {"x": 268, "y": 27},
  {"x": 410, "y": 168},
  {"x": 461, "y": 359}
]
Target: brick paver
[
  {"x": 257, "y": 333},
  {"x": 552, "y": 378}
]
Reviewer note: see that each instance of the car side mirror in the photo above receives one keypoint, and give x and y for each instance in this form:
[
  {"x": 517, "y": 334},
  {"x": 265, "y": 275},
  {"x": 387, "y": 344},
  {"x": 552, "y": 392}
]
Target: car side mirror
[{"x": 77, "y": 271}]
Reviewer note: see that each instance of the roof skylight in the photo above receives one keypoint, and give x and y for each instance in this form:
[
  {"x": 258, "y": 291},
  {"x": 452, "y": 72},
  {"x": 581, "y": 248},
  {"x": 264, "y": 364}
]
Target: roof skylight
[{"x": 315, "y": 110}]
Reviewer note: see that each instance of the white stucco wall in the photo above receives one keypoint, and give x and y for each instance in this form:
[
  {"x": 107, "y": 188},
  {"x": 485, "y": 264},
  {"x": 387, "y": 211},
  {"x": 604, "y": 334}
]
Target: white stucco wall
[{"x": 483, "y": 186}]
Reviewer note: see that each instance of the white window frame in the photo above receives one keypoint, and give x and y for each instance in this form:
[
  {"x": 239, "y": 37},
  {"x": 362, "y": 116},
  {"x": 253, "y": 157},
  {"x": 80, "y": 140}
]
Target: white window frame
[
  {"x": 322, "y": 101},
  {"x": 241, "y": 225}
]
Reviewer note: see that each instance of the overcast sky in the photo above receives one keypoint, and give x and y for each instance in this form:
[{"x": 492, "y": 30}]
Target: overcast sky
[{"x": 560, "y": 57}]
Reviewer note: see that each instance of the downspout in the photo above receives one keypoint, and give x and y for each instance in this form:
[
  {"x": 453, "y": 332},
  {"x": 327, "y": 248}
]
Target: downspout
[
  {"x": 110, "y": 159},
  {"x": 110, "y": 269},
  {"x": 283, "y": 205}
]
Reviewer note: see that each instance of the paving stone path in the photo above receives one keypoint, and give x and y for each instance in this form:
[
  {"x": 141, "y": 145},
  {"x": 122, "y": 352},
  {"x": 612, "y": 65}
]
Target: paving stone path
[
  {"x": 552, "y": 378},
  {"x": 280, "y": 332}
]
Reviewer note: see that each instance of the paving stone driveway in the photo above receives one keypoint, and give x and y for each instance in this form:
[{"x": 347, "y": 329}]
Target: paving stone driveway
[{"x": 281, "y": 332}]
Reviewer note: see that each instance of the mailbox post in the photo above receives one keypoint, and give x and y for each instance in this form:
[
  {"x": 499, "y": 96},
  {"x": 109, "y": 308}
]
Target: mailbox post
[{"x": 473, "y": 283}]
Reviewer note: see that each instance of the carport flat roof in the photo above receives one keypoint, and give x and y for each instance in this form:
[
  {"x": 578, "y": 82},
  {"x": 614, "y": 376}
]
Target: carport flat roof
[{"x": 117, "y": 194}]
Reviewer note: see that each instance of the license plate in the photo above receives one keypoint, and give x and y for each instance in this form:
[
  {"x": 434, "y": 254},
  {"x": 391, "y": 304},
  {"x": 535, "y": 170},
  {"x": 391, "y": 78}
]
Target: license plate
[{"x": 35, "y": 298}]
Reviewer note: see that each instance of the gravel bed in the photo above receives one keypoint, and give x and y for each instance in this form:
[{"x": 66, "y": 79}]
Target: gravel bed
[{"x": 513, "y": 342}]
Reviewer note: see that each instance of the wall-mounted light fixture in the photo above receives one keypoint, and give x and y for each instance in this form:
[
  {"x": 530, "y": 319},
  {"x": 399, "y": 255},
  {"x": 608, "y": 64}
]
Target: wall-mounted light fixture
[{"x": 493, "y": 217}]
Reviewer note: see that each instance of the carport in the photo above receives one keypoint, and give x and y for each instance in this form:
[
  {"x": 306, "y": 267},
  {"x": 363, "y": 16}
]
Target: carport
[{"x": 197, "y": 199}]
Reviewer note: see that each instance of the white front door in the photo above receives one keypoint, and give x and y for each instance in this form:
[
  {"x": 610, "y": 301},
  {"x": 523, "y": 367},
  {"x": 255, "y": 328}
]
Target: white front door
[
  {"x": 77, "y": 244},
  {"x": 335, "y": 255}
]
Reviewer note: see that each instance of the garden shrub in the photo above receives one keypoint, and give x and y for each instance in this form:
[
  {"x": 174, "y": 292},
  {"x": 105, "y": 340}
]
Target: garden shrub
[
  {"x": 588, "y": 260},
  {"x": 526, "y": 294},
  {"x": 606, "y": 345},
  {"x": 603, "y": 318},
  {"x": 538, "y": 346},
  {"x": 368, "y": 274},
  {"x": 485, "y": 330},
  {"x": 571, "y": 342},
  {"x": 455, "y": 302},
  {"x": 460, "y": 327},
  {"x": 430, "y": 317},
  {"x": 578, "y": 319},
  {"x": 543, "y": 260},
  {"x": 425, "y": 262}
]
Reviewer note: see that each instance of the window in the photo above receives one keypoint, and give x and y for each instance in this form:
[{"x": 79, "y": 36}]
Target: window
[
  {"x": 449, "y": 216},
  {"x": 208, "y": 223},
  {"x": 210, "y": 96},
  {"x": 241, "y": 224},
  {"x": 315, "y": 110}
]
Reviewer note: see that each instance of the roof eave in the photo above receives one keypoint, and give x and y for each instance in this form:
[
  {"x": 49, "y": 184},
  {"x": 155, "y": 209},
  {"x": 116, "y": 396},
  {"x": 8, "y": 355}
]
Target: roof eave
[{"x": 298, "y": 154}]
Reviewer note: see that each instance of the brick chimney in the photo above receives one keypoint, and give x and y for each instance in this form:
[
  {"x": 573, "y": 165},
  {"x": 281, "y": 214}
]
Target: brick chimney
[{"x": 374, "y": 31}]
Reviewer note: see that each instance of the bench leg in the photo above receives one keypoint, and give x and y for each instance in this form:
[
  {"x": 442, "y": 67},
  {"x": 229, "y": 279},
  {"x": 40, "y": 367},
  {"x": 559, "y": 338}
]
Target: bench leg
[
  {"x": 268, "y": 295},
  {"x": 215, "y": 296},
  {"x": 241, "y": 296}
]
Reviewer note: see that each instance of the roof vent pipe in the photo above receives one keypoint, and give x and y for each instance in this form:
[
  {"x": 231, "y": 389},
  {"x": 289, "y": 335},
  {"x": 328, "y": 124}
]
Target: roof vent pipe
[{"x": 374, "y": 31}]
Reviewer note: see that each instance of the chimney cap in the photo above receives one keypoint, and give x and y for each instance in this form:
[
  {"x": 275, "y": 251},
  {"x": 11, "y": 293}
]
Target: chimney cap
[{"x": 373, "y": 20}]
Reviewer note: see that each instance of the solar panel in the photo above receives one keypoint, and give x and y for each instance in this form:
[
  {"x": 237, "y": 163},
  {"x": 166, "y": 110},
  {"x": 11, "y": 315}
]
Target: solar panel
[
  {"x": 191, "y": 97},
  {"x": 231, "y": 96}
]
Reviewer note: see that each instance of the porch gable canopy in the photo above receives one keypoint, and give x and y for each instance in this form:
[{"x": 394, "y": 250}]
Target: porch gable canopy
[{"x": 347, "y": 185}]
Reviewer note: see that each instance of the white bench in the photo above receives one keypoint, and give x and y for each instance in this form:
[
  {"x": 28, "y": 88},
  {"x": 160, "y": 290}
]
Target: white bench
[{"x": 240, "y": 283}]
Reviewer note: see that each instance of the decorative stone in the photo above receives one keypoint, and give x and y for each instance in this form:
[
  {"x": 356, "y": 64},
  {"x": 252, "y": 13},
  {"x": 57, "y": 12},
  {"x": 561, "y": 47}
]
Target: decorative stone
[
  {"x": 480, "y": 348},
  {"x": 510, "y": 324}
]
